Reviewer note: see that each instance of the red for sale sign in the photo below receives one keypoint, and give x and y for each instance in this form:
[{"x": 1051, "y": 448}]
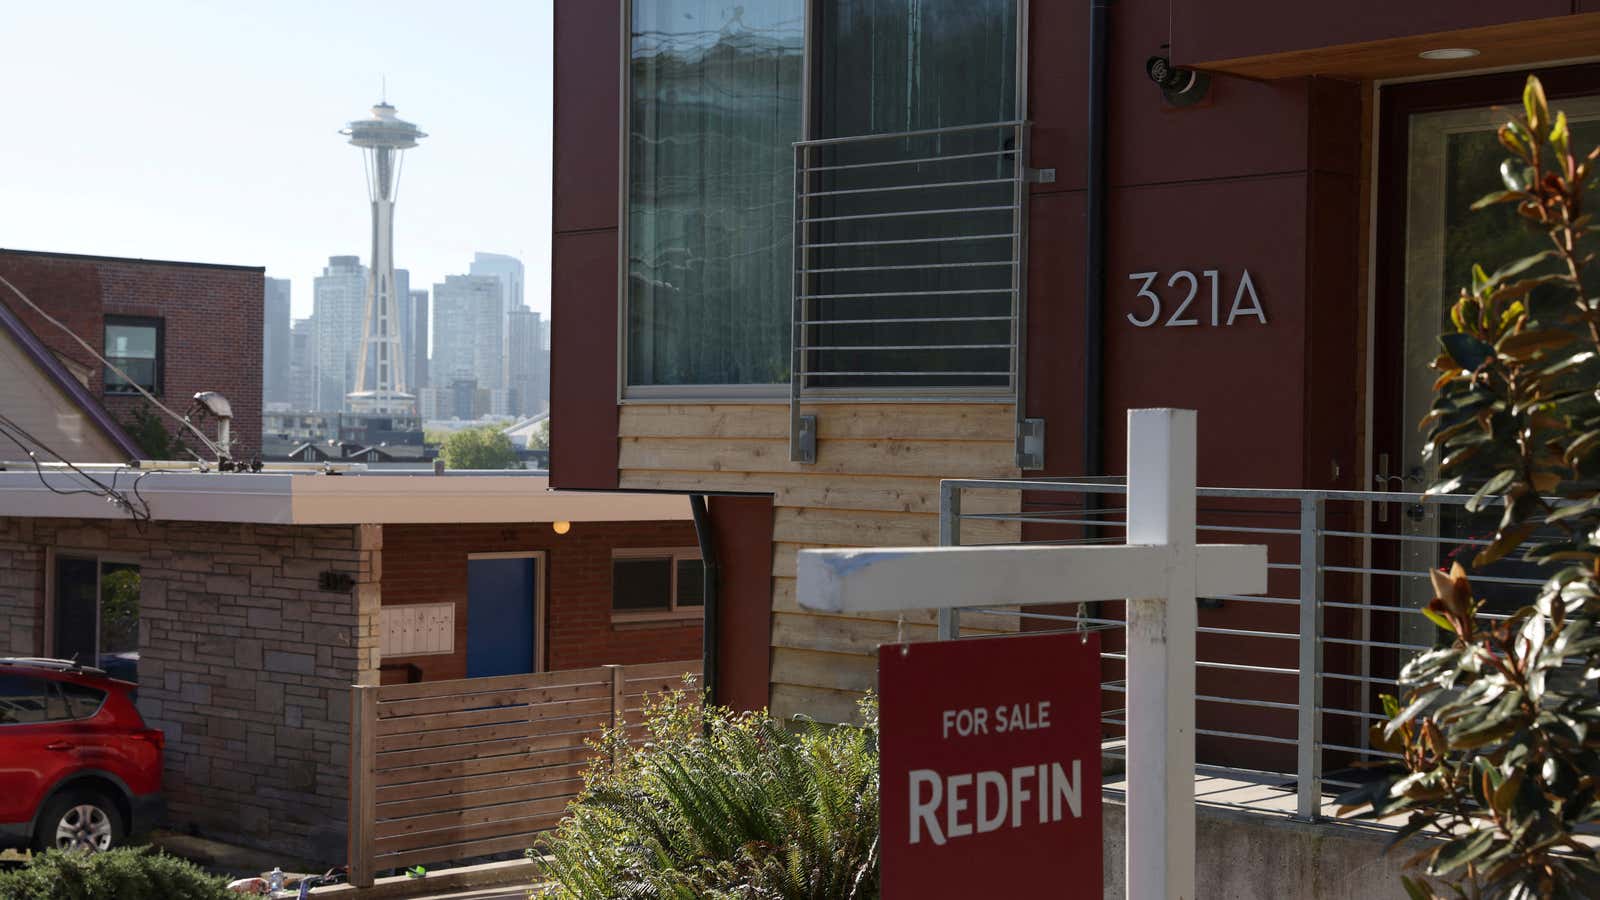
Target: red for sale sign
[{"x": 990, "y": 760}]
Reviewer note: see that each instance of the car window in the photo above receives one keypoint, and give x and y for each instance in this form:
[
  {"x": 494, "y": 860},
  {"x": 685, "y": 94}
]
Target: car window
[
  {"x": 26, "y": 701},
  {"x": 81, "y": 701}
]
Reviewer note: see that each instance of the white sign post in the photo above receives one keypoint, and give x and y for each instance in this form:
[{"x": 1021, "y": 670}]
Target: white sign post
[{"x": 1159, "y": 571}]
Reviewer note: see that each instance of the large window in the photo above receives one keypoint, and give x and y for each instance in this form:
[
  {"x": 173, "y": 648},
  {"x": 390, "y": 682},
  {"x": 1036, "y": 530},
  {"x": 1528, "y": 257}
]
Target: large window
[
  {"x": 95, "y": 614},
  {"x": 912, "y": 243},
  {"x": 657, "y": 583},
  {"x": 134, "y": 346},
  {"x": 714, "y": 108}
]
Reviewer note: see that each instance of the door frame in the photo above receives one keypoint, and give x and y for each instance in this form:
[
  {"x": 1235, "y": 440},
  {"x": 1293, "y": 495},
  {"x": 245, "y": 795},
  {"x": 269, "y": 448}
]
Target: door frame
[
  {"x": 541, "y": 579},
  {"x": 1396, "y": 102}
]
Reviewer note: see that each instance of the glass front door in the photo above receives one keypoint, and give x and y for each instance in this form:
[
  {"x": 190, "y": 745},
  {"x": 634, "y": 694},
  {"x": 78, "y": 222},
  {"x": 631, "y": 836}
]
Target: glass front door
[{"x": 1454, "y": 159}]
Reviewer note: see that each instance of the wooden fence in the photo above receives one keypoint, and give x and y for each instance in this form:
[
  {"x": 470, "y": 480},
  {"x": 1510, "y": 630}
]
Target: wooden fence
[{"x": 449, "y": 770}]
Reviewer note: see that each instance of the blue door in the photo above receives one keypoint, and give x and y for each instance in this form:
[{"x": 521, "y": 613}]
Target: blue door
[{"x": 502, "y": 628}]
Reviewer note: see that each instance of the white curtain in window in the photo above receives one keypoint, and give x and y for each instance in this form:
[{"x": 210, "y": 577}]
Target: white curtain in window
[{"x": 714, "y": 110}]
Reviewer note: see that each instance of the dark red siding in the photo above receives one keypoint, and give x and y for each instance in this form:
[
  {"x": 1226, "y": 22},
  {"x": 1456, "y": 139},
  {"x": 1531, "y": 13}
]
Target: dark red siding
[
  {"x": 212, "y": 317},
  {"x": 742, "y": 532},
  {"x": 583, "y": 370},
  {"x": 584, "y": 258}
]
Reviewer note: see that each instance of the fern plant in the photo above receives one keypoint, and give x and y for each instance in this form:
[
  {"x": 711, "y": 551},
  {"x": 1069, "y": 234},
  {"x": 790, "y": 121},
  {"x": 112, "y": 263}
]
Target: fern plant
[{"x": 728, "y": 806}]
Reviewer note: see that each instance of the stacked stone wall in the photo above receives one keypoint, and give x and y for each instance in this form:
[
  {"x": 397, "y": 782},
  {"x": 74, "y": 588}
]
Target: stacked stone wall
[{"x": 246, "y": 662}]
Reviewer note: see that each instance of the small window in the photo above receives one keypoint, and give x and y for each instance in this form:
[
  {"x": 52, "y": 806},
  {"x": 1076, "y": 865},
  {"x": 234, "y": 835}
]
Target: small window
[
  {"x": 655, "y": 583},
  {"x": 82, "y": 701},
  {"x": 29, "y": 701},
  {"x": 96, "y": 614},
  {"x": 133, "y": 345}
]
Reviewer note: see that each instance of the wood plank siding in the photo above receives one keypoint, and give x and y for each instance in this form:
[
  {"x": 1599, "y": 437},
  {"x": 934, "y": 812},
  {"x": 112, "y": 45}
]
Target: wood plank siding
[{"x": 875, "y": 483}]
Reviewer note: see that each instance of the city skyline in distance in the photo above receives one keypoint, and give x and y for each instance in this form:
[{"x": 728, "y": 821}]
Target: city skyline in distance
[{"x": 228, "y": 148}]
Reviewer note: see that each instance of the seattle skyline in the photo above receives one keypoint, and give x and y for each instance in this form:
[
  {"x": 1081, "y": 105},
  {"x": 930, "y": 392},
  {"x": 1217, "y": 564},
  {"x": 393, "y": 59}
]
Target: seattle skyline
[{"x": 227, "y": 124}]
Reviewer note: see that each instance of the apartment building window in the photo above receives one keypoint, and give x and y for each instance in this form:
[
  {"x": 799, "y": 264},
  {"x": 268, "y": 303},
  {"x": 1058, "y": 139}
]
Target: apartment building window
[
  {"x": 913, "y": 211},
  {"x": 657, "y": 583},
  {"x": 95, "y": 614},
  {"x": 134, "y": 345},
  {"x": 714, "y": 108}
]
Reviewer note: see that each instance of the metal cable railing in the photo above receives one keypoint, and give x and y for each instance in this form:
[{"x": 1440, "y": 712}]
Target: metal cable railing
[
  {"x": 909, "y": 265},
  {"x": 1287, "y": 683}
]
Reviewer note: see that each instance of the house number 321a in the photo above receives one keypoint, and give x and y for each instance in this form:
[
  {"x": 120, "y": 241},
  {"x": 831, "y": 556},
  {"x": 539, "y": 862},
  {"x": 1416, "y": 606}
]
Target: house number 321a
[{"x": 1246, "y": 302}]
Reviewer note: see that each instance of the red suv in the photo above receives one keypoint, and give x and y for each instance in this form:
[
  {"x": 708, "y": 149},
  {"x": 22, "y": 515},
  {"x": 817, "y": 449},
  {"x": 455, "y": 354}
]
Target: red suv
[{"x": 78, "y": 768}]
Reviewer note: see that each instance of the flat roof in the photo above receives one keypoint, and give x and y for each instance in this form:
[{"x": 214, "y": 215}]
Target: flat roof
[
  {"x": 90, "y": 257},
  {"x": 305, "y": 498}
]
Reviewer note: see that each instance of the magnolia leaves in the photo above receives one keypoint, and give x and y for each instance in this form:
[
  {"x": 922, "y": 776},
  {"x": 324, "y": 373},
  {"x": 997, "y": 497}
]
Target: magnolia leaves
[
  {"x": 1516, "y": 412},
  {"x": 1498, "y": 732},
  {"x": 1452, "y": 607}
]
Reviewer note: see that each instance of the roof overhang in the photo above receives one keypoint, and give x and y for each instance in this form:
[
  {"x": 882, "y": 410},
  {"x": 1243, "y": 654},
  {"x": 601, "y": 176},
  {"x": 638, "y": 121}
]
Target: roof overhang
[
  {"x": 311, "y": 499},
  {"x": 1527, "y": 42}
]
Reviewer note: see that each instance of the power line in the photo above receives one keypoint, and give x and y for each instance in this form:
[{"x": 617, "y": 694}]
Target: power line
[
  {"x": 184, "y": 420},
  {"x": 140, "y": 510}
]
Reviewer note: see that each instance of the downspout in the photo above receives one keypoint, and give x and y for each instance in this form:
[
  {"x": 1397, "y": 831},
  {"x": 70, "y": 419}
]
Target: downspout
[
  {"x": 1094, "y": 273},
  {"x": 708, "y": 559},
  {"x": 1094, "y": 267}
]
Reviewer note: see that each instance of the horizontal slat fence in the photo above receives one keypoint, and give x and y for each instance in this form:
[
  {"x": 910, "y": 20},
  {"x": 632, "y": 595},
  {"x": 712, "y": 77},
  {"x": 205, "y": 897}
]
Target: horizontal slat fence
[{"x": 448, "y": 770}]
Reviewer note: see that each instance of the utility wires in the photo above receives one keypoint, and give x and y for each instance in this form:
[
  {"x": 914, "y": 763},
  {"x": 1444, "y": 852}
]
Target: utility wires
[
  {"x": 135, "y": 506},
  {"x": 184, "y": 420}
]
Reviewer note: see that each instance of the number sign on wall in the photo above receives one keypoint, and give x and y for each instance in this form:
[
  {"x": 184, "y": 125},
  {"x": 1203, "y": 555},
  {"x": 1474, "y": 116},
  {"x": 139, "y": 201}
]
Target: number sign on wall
[{"x": 1246, "y": 302}]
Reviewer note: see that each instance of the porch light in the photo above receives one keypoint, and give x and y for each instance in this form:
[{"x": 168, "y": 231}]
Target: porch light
[
  {"x": 561, "y": 527},
  {"x": 1449, "y": 53}
]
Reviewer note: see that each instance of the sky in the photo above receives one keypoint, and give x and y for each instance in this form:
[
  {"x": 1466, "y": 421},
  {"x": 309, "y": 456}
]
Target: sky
[{"x": 209, "y": 132}]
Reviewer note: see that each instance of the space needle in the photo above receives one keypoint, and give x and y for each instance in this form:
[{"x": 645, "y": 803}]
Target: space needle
[{"x": 383, "y": 137}]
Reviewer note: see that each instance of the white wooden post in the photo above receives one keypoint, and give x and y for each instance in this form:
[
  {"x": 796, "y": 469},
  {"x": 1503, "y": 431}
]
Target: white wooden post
[
  {"x": 1161, "y": 654},
  {"x": 1159, "y": 571}
]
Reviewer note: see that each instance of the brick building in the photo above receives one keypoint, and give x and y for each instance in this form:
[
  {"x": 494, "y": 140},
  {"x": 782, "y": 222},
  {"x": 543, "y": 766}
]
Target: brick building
[
  {"x": 260, "y": 599},
  {"x": 176, "y": 327}
]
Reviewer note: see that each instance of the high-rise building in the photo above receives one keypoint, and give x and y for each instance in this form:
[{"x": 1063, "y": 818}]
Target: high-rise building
[
  {"x": 382, "y": 138},
  {"x": 416, "y": 348},
  {"x": 541, "y": 375},
  {"x": 302, "y": 365},
  {"x": 275, "y": 341},
  {"x": 402, "y": 299},
  {"x": 525, "y": 360},
  {"x": 338, "y": 298},
  {"x": 509, "y": 270},
  {"x": 468, "y": 332}
]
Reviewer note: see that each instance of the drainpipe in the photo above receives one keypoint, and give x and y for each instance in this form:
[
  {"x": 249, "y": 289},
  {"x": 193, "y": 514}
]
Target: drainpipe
[
  {"x": 708, "y": 559},
  {"x": 1095, "y": 249}
]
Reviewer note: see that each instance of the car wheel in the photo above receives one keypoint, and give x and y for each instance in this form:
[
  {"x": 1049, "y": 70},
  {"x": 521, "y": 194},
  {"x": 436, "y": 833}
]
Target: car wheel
[{"x": 80, "y": 822}]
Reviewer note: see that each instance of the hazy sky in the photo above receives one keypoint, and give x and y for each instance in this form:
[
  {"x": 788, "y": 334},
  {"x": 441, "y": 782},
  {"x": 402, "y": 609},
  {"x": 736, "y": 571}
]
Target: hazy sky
[{"x": 209, "y": 132}]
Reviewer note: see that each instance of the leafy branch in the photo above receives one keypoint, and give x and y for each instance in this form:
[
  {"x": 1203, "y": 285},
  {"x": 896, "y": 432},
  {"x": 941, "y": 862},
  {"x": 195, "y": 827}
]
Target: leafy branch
[{"x": 1499, "y": 732}]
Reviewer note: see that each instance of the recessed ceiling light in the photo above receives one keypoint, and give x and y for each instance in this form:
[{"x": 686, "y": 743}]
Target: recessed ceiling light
[{"x": 1449, "y": 53}]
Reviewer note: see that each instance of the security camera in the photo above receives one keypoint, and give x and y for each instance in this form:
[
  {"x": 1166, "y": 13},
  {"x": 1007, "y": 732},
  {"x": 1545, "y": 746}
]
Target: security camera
[{"x": 1181, "y": 87}]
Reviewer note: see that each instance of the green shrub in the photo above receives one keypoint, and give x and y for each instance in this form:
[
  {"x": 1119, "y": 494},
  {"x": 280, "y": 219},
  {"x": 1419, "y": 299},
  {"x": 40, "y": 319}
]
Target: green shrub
[
  {"x": 128, "y": 873},
  {"x": 1498, "y": 729},
  {"x": 739, "y": 807}
]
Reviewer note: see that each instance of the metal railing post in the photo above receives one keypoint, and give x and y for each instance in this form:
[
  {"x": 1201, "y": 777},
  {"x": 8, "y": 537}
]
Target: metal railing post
[
  {"x": 619, "y": 719},
  {"x": 798, "y": 450},
  {"x": 1308, "y": 771},
  {"x": 949, "y": 536}
]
